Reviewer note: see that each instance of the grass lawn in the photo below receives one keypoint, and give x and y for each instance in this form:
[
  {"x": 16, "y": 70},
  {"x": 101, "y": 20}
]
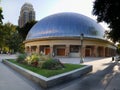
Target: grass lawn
[{"x": 46, "y": 72}]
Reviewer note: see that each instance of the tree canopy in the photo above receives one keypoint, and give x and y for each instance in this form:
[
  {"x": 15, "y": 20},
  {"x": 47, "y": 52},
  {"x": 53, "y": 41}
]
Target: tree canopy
[
  {"x": 108, "y": 11},
  {"x": 25, "y": 29},
  {"x": 10, "y": 40},
  {"x": 1, "y": 16}
]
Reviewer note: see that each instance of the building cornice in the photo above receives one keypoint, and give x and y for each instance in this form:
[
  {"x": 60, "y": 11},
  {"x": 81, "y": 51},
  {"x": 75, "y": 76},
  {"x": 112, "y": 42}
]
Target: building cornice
[{"x": 68, "y": 38}]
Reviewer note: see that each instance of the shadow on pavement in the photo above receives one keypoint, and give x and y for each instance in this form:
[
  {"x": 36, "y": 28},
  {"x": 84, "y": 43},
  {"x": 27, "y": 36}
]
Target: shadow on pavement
[{"x": 93, "y": 81}]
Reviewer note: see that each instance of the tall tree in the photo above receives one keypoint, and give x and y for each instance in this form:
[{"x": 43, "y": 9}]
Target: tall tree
[
  {"x": 15, "y": 43},
  {"x": 1, "y": 16},
  {"x": 2, "y": 33},
  {"x": 1, "y": 27},
  {"x": 11, "y": 37},
  {"x": 108, "y": 11},
  {"x": 25, "y": 29}
]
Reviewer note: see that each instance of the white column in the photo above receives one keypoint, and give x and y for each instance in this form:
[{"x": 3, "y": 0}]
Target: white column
[
  {"x": 67, "y": 50},
  {"x": 37, "y": 49},
  {"x": 95, "y": 51},
  {"x": 52, "y": 53}
]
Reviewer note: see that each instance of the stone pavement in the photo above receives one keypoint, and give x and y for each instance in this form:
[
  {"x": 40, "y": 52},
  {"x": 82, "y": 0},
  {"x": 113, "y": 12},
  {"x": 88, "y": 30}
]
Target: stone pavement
[
  {"x": 11, "y": 80},
  {"x": 105, "y": 76},
  {"x": 114, "y": 84},
  {"x": 98, "y": 63}
]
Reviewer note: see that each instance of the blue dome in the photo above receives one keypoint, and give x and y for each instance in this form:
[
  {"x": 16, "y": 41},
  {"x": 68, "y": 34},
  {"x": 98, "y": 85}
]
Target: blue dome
[{"x": 66, "y": 25}]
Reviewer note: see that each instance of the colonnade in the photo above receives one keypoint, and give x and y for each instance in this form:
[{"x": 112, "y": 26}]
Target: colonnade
[{"x": 68, "y": 50}]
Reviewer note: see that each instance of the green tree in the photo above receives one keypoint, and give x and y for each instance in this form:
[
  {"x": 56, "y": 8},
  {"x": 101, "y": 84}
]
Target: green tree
[
  {"x": 11, "y": 38},
  {"x": 1, "y": 27},
  {"x": 15, "y": 42},
  {"x": 8, "y": 29},
  {"x": 107, "y": 11},
  {"x": 2, "y": 33},
  {"x": 25, "y": 29},
  {"x": 1, "y": 16}
]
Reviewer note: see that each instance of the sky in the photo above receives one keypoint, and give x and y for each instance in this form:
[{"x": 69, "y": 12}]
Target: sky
[{"x": 43, "y": 8}]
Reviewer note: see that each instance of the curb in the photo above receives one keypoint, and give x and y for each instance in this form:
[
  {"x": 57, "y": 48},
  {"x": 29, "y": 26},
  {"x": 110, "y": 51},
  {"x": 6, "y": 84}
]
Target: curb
[{"x": 51, "y": 81}]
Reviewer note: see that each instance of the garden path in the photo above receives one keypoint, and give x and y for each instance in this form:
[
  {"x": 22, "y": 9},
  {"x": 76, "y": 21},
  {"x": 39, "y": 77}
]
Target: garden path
[{"x": 11, "y": 80}]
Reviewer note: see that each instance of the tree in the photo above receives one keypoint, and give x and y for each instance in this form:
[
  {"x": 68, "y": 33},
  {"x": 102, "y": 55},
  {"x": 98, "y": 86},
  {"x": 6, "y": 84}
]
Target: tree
[
  {"x": 1, "y": 16},
  {"x": 8, "y": 29},
  {"x": 15, "y": 43},
  {"x": 107, "y": 11},
  {"x": 1, "y": 27},
  {"x": 2, "y": 33},
  {"x": 25, "y": 29},
  {"x": 11, "y": 38}
]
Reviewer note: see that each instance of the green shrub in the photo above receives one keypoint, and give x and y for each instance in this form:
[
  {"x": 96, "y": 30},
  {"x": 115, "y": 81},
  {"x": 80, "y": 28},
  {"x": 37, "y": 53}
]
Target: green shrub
[
  {"x": 40, "y": 63},
  {"x": 32, "y": 59},
  {"x": 52, "y": 64},
  {"x": 21, "y": 58},
  {"x": 35, "y": 57},
  {"x": 45, "y": 57}
]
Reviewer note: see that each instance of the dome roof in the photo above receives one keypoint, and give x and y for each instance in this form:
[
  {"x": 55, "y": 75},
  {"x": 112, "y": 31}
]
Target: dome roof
[{"x": 66, "y": 25}]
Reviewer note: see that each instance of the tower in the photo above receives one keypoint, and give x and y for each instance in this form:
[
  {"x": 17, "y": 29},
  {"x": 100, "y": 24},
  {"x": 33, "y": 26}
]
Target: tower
[{"x": 27, "y": 14}]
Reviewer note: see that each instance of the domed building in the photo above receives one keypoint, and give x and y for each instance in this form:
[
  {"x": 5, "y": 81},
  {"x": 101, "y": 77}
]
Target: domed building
[{"x": 68, "y": 35}]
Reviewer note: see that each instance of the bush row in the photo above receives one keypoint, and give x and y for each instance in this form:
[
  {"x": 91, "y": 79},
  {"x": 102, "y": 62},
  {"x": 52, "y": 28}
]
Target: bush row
[{"x": 42, "y": 61}]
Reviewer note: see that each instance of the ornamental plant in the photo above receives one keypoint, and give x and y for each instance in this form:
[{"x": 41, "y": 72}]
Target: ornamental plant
[
  {"x": 33, "y": 59},
  {"x": 45, "y": 57},
  {"x": 52, "y": 64},
  {"x": 21, "y": 58},
  {"x": 41, "y": 61},
  {"x": 28, "y": 60}
]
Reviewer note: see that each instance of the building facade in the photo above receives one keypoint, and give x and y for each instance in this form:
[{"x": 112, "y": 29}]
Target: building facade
[
  {"x": 27, "y": 14},
  {"x": 59, "y": 35}
]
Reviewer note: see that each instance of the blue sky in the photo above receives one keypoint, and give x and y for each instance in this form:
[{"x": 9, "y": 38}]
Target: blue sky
[{"x": 43, "y": 8}]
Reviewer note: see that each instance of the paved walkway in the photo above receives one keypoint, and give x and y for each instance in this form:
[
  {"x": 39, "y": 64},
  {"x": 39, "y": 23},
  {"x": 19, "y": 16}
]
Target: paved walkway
[
  {"x": 98, "y": 63},
  {"x": 105, "y": 76},
  {"x": 11, "y": 80}
]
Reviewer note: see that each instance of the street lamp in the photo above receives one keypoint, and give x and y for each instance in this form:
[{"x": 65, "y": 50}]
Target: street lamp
[{"x": 81, "y": 49}]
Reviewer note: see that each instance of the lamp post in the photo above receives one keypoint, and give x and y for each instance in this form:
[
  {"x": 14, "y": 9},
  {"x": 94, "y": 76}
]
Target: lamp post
[{"x": 81, "y": 49}]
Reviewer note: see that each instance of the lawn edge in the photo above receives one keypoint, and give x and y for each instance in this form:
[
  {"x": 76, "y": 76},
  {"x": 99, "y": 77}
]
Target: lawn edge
[{"x": 51, "y": 81}]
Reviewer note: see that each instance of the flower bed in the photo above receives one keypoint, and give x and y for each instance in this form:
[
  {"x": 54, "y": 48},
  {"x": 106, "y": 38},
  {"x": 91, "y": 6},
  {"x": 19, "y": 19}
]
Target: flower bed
[
  {"x": 53, "y": 80},
  {"x": 49, "y": 72}
]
